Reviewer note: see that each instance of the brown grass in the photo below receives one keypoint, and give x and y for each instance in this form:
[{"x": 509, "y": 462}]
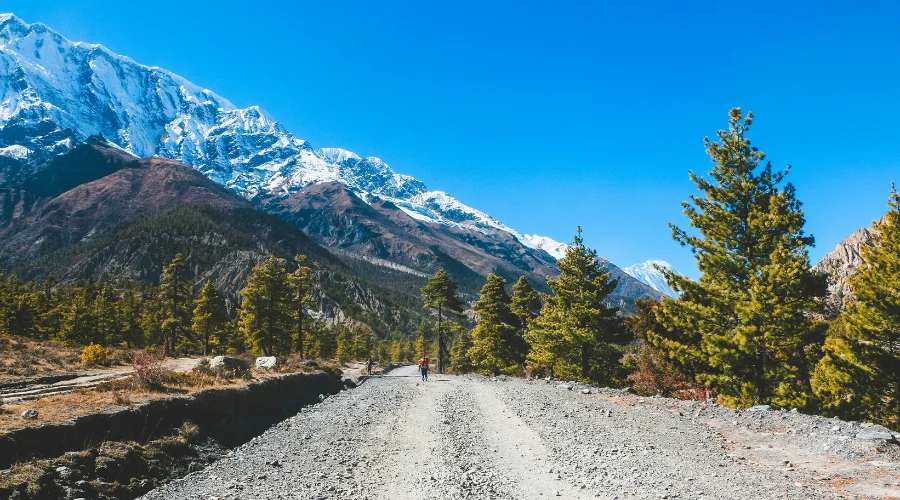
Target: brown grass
[
  {"x": 27, "y": 358},
  {"x": 119, "y": 395}
]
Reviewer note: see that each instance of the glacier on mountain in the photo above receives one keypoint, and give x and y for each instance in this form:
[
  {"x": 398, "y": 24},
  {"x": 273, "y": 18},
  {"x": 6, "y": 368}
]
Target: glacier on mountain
[
  {"x": 55, "y": 93},
  {"x": 648, "y": 274}
]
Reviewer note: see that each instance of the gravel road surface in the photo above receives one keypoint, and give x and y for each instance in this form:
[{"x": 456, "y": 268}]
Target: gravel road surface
[{"x": 475, "y": 437}]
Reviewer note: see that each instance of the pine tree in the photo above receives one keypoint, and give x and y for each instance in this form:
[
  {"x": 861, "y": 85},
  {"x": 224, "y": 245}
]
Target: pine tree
[
  {"x": 106, "y": 320},
  {"x": 441, "y": 293},
  {"x": 265, "y": 312},
  {"x": 209, "y": 314},
  {"x": 859, "y": 376},
  {"x": 301, "y": 282},
  {"x": 363, "y": 342},
  {"x": 383, "y": 352},
  {"x": 19, "y": 308},
  {"x": 577, "y": 335},
  {"x": 421, "y": 346},
  {"x": 749, "y": 311},
  {"x": 128, "y": 311},
  {"x": 494, "y": 337},
  {"x": 344, "y": 344},
  {"x": 77, "y": 324},
  {"x": 524, "y": 303},
  {"x": 175, "y": 299},
  {"x": 48, "y": 301},
  {"x": 152, "y": 318},
  {"x": 459, "y": 353}
]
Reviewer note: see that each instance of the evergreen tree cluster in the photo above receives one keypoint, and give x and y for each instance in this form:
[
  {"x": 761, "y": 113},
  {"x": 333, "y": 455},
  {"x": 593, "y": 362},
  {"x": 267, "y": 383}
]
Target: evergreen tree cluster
[
  {"x": 570, "y": 333},
  {"x": 750, "y": 330},
  {"x": 273, "y": 317}
]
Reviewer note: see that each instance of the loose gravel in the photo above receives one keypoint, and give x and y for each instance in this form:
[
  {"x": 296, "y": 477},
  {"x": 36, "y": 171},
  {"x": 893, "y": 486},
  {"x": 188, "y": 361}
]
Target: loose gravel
[{"x": 475, "y": 437}]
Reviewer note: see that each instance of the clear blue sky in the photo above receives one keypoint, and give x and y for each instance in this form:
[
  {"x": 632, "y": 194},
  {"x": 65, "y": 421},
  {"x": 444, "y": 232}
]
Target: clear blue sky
[{"x": 548, "y": 115}]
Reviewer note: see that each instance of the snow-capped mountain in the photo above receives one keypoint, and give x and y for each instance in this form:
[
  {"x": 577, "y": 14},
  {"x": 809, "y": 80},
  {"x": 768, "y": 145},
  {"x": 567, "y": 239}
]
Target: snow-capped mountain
[
  {"x": 646, "y": 273},
  {"x": 55, "y": 93},
  {"x": 556, "y": 249}
]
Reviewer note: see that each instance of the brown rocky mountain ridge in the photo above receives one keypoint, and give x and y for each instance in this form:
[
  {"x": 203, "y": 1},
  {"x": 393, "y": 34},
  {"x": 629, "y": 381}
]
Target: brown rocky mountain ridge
[
  {"x": 59, "y": 215},
  {"x": 125, "y": 225},
  {"x": 335, "y": 217}
]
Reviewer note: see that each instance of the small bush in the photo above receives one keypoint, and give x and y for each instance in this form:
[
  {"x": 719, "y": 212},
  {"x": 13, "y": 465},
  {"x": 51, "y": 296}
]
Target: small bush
[
  {"x": 93, "y": 355},
  {"x": 148, "y": 371},
  {"x": 114, "y": 385},
  {"x": 121, "y": 398},
  {"x": 189, "y": 432},
  {"x": 653, "y": 374}
]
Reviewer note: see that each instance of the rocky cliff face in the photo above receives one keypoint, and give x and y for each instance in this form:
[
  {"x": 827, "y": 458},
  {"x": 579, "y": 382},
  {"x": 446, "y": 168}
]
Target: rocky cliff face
[{"x": 841, "y": 264}]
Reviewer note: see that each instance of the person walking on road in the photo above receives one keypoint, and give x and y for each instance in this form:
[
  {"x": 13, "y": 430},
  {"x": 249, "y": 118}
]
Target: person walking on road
[
  {"x": 423, "y": 368},
  {"x": 369, "y": 366}
]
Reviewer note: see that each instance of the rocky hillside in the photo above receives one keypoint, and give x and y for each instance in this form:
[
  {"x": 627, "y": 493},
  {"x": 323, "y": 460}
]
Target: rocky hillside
[
  {"x": 333, "y": 215},
  {"x": 841, "y": 264}
]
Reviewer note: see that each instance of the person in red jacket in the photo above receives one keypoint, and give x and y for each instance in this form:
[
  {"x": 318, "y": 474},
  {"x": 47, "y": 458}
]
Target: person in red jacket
[{"x": 424, "y": 365}]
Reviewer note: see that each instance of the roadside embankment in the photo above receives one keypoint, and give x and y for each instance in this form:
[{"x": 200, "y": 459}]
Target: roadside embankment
[{"x": 125, "y": 453}]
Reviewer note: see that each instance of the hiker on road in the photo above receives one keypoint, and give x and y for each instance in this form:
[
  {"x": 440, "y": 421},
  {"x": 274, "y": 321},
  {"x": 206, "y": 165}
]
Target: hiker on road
[
  {"x": 424, "y": 367},
  {"x": 369, "y": 366}
]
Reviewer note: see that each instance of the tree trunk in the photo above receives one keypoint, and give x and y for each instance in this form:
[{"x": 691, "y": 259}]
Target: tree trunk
[
  {"x": 585, "y": 361},
  {"x": 440, "y": 343},
  {"x": 300, "y": 332},
  {"x": 206, "y": 340}
]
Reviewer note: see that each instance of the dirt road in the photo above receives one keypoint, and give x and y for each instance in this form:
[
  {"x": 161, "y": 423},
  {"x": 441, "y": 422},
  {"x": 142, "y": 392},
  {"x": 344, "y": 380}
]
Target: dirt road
[{"x": 474, "y": 437}]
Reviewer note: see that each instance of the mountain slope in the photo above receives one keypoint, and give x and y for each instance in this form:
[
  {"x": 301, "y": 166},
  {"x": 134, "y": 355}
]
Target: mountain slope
[
  {"x": 336, "y": 217},
  {"x": 125, "y": 225},
  {"x": 55, "y": 94},
  {"x": 647, "y": 273}
]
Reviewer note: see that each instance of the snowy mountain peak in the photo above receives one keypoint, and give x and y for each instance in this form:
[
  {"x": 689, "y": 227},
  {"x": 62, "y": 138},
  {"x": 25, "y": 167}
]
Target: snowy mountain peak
[
  {"x": 556, "y": 249},
  {"x": 55, "y": 93},
  {"x": 337, "y": 155},
  {"x": 647, "y": 273}
]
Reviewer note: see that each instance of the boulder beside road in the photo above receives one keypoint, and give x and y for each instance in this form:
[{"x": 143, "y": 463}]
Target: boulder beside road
[
  {"x": 266, "y": 362},
  {"x": 229, "y": 363}
]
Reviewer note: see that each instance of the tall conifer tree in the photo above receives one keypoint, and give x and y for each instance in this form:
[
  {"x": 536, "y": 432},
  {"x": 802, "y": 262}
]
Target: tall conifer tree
[
  {"x": 301, "y": 282},
  {"x": 494, "y": 345},
  {"x": 175, "y": 298},
  {"x": 577, "y": 335},
  {"x": 524, "y": 303},
  {"x": 266, "y": 311},
  {"x": 749, "y": 309},
  {"x": 441, "y": 293},
  {"x": 209, "y": 314}
]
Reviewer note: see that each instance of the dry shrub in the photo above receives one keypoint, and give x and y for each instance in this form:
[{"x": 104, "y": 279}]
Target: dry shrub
[
  {"x": 189, "y": 432},
  {"x": 148, "y": 371},
  {"x": 121, "y": 384},
  {"x": 295, "y": 364},
  {"x": 121, "y": 398},
  {"x": 330, "y": 367},
  {"x": 21, "y": 357},
  {"x": 653, "y": 374}
]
